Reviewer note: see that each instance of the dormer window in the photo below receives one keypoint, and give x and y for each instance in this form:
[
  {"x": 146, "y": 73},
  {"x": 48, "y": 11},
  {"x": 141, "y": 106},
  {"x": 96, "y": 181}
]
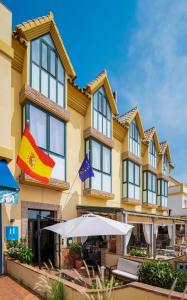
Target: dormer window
[
  {"x": 102, "y": 113},
  {"x": 165, "y": 164},
  {"x": 152, "y": 154},
  {"x": 134, "y": 139},
  {"x": 47, "y": 71}
]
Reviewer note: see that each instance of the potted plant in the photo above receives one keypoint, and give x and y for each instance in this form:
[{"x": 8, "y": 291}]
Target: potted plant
[{"x": 76, "y": 253}]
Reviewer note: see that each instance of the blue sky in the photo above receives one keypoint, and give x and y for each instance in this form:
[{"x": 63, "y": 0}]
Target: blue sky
[{"x": 143, "y": 46}]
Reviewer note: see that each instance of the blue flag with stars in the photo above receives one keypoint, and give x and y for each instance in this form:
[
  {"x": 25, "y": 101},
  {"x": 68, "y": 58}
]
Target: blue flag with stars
[{"x": 85, "y": 170}]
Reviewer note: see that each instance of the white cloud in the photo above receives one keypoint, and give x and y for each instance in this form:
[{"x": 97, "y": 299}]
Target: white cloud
[{"x": 155, "y": 76}]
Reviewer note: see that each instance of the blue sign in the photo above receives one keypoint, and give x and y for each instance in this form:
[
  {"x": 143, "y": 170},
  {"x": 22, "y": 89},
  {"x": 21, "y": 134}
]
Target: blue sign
[
  {"x": 11, "y": 233},
  {"x": 8, "y": 196}
]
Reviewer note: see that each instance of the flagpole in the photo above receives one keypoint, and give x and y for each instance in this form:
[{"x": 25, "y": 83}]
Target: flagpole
[{"x": 67, "y": 198}]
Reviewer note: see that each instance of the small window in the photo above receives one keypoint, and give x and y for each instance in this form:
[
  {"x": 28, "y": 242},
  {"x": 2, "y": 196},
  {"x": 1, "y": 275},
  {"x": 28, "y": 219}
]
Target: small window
[
  {"x": 100, "y": 158},
  {"x": 131, "y": 180},
  {"x": 152, "y": 154},
  {"x": 162, "y": 192},
  {"x": 149, "y": 188},
  {"x": 102, "y": 116},
  {"x": 134, "y": 139}
]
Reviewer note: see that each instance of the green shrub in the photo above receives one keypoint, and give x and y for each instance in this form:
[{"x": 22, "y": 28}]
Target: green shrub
[
  {"x": 76, "y": 250},
  {"x": 139, "y": 252},
  {"x": 181, "y": 281},
  {"x": 157, "y": 273},
  {"x": 19, "y": 250}
]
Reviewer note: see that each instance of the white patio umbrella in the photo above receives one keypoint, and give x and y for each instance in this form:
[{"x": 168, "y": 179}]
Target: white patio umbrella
[{"x": 90, "y": 225}]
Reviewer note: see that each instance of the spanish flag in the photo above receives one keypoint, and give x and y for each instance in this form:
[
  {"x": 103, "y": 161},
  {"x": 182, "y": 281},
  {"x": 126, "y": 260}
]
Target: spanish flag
[{"x": 32, "y": 160}]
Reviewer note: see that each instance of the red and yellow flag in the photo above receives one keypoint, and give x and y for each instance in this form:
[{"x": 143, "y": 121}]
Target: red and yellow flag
[{"x": 32, "y": 160}]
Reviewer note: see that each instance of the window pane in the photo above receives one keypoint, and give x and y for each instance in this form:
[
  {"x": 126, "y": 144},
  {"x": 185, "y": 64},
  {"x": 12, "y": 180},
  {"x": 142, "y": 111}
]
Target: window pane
[
  {"x": 52, "y": 62},
  {"x": 108, "y": 112},
  {"x": 35, "y": 77},
  {"x": 104, "y": 126},
  {"x": 61, "y": 95},
  {"x": 44, "y": 83},
  {"x": 131, "y": 172},
  {"x": 59, "y": 168},
  {"x": 106, "y": 183},
  {"x": 137, "y": 175},
  {"x": 109, "y": 129},
  {"x": 124, "y": 171},
  {"x": 144, "y": 180},
  {"x": 61, "y": 73},
  {"x": 95, "y": 119},
  {"x": 37, "y": 122},
  {"x": 52, "y": 89},
  {"x": 149, "y": 181},
  {"x": 137, "y": 193},
  {"x": 104, "y": 106},
  {"x": 96, "y": 180},
  {"x": 106, "y": 160},
  {"x": 48, "y": 40},
  {"x": 56, "y": 136},
  {"x": 96, "y": 155},
  {"x": 100, "y": 102},
  {"x": 36, "y": 51},
  {"x": 100, "y": 122},
  {"x": 124, "y": 189},
  {"x": 95, "y": 101},
  {"x": 44, "y": 56},
  {"x": 130, "y": 190}
]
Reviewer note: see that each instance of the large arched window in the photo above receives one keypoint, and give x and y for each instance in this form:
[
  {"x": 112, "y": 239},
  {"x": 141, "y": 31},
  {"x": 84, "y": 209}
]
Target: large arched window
[
  {"x": 152, "y": 154},
  {"x": 47, "y": 72},
  {"x": 102, "y": 113},
  {"x": 134, "y": 139}
]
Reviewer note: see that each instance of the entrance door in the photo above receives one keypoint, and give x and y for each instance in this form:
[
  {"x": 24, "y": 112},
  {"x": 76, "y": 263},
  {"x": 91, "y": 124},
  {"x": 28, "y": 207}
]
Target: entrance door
[{"x": 47, "y": 241}]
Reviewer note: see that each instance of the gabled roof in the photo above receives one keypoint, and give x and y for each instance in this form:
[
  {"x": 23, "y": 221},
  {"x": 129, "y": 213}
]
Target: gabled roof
[
  {"x": 151, "y": 134},
  {"x": 164, "y": 148},
  {"x": 34, "y": 28},
  {"x": 102, "y": 80},
  {"x": 129, "y": 116}
]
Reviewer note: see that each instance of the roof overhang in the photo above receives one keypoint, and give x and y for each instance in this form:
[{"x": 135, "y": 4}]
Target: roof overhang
[
  {"x": 37, "y": 27},
  {"x": 102, "y": 80}
]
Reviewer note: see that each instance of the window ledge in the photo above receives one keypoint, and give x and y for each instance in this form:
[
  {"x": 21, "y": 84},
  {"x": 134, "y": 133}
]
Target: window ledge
[
  {"x": 90, "y": 131},
  {"x": 161, "y": 208},
  {"x": 150, "y": 168},
  {"x": 149, "y": 205},
  {"x": 98, "y": 194},
  {"x": 131, "y": 156},
  {"x": 131, "y": 201},
  {"x": 28, "y": 93},
  {"x": 54, "y": 184},
  {"x": 163, "y": 176}
]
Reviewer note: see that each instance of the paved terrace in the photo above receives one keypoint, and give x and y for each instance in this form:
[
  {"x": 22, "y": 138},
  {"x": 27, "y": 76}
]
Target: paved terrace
[{"x": 11, "y": 290}]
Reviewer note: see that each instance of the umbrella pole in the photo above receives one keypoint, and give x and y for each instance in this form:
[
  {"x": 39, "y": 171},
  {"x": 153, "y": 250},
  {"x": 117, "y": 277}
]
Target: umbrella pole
[{"x": 39, "y": 240}]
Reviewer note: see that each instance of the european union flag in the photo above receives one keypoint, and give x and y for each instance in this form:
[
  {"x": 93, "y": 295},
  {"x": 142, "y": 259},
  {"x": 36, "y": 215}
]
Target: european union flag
[{"x": 85, "y": 170}]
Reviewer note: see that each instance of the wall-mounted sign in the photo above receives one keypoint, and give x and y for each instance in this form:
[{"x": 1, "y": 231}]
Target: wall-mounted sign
[
  {"x": 8, "y": 196},
  {"x": 11, "y": 233}
]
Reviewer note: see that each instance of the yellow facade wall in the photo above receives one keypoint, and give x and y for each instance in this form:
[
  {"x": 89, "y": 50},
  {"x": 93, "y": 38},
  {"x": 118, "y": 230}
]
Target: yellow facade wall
[{"x": 11, "y": 82}]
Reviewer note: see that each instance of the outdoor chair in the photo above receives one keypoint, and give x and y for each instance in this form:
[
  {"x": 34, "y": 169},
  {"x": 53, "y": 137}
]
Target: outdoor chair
[{"x": 125, "y": 269}]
